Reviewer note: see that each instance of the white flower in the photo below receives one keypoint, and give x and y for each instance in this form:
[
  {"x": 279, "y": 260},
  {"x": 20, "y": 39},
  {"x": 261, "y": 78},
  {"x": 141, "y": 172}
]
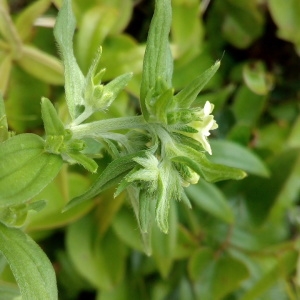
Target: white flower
[{"x": 204, "y": 125}]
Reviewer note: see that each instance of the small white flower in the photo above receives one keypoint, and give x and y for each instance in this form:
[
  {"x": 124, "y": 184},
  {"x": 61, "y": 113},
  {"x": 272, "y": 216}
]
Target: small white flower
[{"x": 204, "y": 125}]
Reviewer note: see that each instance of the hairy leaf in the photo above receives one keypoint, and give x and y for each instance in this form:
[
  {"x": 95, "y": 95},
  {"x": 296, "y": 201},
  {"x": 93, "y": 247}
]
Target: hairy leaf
[
  {"x": 114, "y": 172},
  {"x": 188, "y": 95},
  {"x": 158, "y": 62},
  {"x": 74, "y": 79},
  {"x": 31, "y": 267}
]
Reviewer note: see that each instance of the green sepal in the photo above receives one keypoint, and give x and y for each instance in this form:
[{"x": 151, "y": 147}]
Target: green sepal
[
  {"x": 54, "y": 144},
  {"x": 186, "y": 140},
  {"x": 111, "y": 91},
  {"x": 162, "y": 206},
  {"x": 25, "y": 168},
  {"x": 30, "y": 266},
  {"x": 87, "y": 162},
  {"x": 145, "y": 210},
  {"x": 184, "y": 128},
  {"x": 3, "y": 121},
  {"x": 112, "y": 175},
  {"x": 74, "y": 79},
  {"x": 52, "y": 123},
  {"x": 185, "y": 199},
  {"x": 163, "y": 104},
  {"x": 158, "y": 62},
  {"x": 89, "y": 80},
  {"x": 188, "y": 95},
  {"x": 124, "y": 184},
  {"x": 209, "y": 171}
]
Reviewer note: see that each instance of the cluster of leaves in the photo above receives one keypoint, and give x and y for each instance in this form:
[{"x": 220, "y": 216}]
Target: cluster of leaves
[{"x": 239, "y": 240}]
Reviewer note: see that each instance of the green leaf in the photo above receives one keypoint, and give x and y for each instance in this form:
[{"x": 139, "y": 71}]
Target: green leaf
[
  {"x": 164, "y": 245},
  {"x": 22, "y": 116},
  {"x": 285, "y": 15},
  {"x": 285, "y": 265},
  {"x": 110, "y": 92},
  {"x": 163, "y": 104},
  {"x": 215, "y": 277},
  {"x": 27, "y": 17},
  {"x": 9, "y": 33},
  {"x": 25, "y": 168},
  {"x": 95, "y": 25},
  {"x": 158, "y": 61},
  {"x": 5, "y": 69},
  {"x": 57, "y": 193},
  {"x": 248, "y": 106},
  {"x": 99, "y": 259},
  {"x": 276, "y": 193},
  {"x": 145, "y": 210},
  {"x": 9, "y": 292},
  {"x": 229, "y": 273},
  {"x": 187, "y": 28},
  {"x": 243, "y": 23},
  {"x": 74, "y": 80},
  {"x": 199, "y": 261},
  {"x": 87, "y": 162},
  {"x": 211, "y": 172},
  {"x": 3, "y": 121},
  {"x": 187, "y": 96},
  {"x": 31, "y": 267},
  {"x": 52, "y": 123},
  {"x": 209, "y": 198},
  {"x": 124, "y": 225},
  {"x": 234, "y": 155},
  {"x": 41, "y": 65},
  {"x": 162, "y": 206},
  {"x": 256, "y": 78},
  {"x": 114, "y": 172}
]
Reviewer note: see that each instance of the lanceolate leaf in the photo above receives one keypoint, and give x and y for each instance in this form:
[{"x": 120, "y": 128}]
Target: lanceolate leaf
[
  {"x": 74, "y": 80},
  {"x": 53, "y": 125},
  {"x": 112, "y": 175},
  {"x": 31, "y": 267},
  {"x": 28, "y": 16},
  {"x": 209, "y": 171},
  {"x": 188, "y": 95},
  {"x": 158, "y": 62},
  {"x": 25, "y": 168}
]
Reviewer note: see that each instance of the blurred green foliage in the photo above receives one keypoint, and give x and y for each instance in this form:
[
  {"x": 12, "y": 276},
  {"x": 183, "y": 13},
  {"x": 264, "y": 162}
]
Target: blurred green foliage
[{"x": 240, "y": 239}]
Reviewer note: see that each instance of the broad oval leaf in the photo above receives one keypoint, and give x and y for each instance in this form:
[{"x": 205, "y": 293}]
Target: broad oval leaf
[
  {"x": 31, "y": 267},
  {"x": 234, "y": 155},
  {"x": 25, "y": 168}
]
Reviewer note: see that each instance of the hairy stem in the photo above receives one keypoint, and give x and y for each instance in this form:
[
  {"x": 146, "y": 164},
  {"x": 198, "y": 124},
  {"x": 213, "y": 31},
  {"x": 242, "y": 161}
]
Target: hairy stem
[{"x": 95, "y": 129}]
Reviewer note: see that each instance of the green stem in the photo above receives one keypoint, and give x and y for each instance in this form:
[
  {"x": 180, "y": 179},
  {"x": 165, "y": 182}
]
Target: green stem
[{"x": 95, "y": 129}]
